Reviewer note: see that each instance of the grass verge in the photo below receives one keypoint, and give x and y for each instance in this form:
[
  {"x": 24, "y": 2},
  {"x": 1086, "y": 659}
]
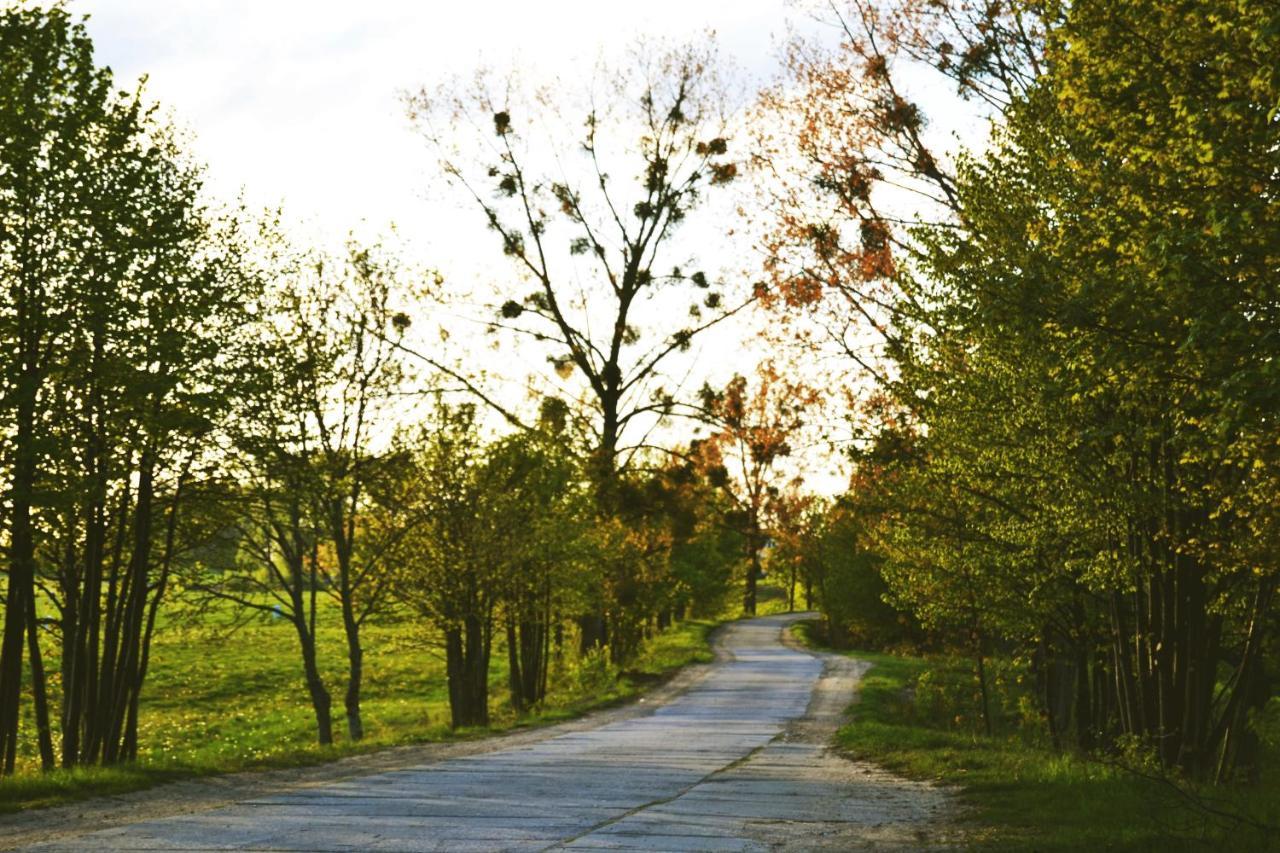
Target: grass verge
[{"x": 1019, "y": 794}]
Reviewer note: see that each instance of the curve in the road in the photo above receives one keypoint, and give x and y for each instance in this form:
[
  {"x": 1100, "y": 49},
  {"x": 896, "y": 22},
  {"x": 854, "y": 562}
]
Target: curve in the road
[{"x": 727, "y": 765}]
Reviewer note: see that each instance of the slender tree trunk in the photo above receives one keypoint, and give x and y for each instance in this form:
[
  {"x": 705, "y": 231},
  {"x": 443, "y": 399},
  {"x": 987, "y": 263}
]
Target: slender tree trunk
[
  {"x": 1251, "y": 689},
  {"x": 129, "y": 751},
  {"x": 321, "y": 702},
  {"x": 514, "y": 676},
  {"x": 455, "y": 673},
  {"x": 981, "y": 663},
  {"x": 1084, "y": 717},
  {"x": 39, "y": 690},
  {"x": 791, "y": 589},
  {"x": 21, "y": 588},
  {"x": 342, "y": 524},
  {"x": 1043, "y": 665},
  {"x": 594, "y": 629},
  {"x": 355, "y": 674},
  {"x": 754, "y": 571},
  {"x": 71, "y": 634}
]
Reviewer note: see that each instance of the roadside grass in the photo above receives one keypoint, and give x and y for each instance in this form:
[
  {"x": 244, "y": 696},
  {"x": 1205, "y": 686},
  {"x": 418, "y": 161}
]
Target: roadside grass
[
  {"x": 772, "y": 596},
  {"x": 1018, "y": 793},
  {"x": 220, "y": 700}
]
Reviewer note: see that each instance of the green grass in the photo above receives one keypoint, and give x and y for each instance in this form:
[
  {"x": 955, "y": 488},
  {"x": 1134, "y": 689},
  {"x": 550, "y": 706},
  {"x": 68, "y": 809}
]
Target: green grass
[
  {"x": 219, "y": 700},
  {"x": 1019, "y": 794},
  {"x": 771, "y": 595}
]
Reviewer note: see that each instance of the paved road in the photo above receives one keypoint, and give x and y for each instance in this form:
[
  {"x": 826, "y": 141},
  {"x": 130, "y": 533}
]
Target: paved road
[{"x": 738, "y": 762}]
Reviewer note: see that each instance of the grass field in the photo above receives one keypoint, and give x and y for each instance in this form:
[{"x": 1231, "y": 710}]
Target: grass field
[
  {"x": 1019, "y": 794},
  {"x": 219, "y": 700}
]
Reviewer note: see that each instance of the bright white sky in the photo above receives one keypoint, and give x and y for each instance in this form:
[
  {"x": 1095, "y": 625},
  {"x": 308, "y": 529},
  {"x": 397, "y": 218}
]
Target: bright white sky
[{"x": 297, "y": 100}]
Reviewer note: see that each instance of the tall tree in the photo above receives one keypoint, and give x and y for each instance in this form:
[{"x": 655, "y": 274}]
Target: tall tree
[
  {"x": 612, "y": 293},
  {"x": 755, "y": 431},
  {"x": 1092, "y": 373},
  {"x": 448, "y": 569},
  {"x": 126, "y": 293},
  {"x": 53, "y": 95}
]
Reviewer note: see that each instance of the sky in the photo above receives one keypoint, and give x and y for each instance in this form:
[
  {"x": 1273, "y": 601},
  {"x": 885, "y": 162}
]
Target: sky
[{"x": 297, "y": 101}]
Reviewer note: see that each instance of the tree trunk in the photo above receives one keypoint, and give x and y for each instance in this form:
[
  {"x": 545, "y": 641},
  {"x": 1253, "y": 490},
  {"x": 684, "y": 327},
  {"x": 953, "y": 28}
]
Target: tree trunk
[
  {"x": 791, "y": 590},
  {"x": 981, "y": 662},
  {"x": 321, "y": 702},
  {"x": 39, "y": 690},
  {"x": 532, "y": 638},
  {"x": 755, "y": 569},
  {"x": 21, "y": 566},
  {"x": 515, "y": 678},
  {"x": 355, "y": 675},
  {"x": 467, "y": 667}
]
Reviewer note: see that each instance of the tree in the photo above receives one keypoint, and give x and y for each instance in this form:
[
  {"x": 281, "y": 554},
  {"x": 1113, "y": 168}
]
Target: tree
[
  {"x": 52, "y": 96},
  {"x": 1086, "y": 427},
  {"x": 606, "y": 289},
  {"x": 754, "y": 433},
  {"x": 126, "y": 296},
  {"x": 504, "y": 533},
  {"x": 610, "y": 297},
  {"x": 350, "y": 343},
  {"x": 307, "y": 470},
  {"x": 448, "y": 569}
]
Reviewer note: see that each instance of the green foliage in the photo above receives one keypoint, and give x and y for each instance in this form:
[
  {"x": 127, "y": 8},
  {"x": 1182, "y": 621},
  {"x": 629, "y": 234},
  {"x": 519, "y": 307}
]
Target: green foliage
[
  {"x": 846, "y": 580},
  {"x": 126, "y": 297},
  {"x": 1079, "y": 440}
]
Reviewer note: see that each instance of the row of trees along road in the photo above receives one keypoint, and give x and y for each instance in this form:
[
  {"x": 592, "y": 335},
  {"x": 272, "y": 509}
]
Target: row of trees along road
[
  {"x": 123, "y": 303},
  {"x": 1071, "y": 453},
  {"x": 193, "y": 407},
  {"x": 1068, "y": 445}
]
